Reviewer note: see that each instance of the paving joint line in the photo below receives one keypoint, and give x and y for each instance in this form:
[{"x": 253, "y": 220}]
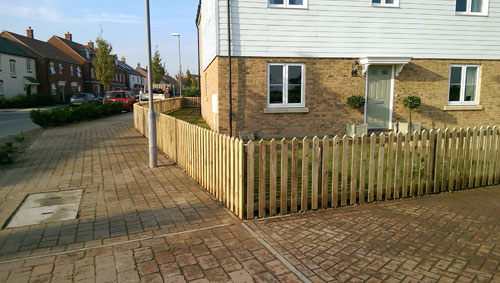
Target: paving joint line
[
  {"x": 277, "y": 254},
  {"x": 118, "y": 243}
]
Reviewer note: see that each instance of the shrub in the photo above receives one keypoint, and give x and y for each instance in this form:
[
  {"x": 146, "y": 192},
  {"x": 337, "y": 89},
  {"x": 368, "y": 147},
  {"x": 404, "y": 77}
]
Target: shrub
[
  {"x": 356, "y": 102},
  {"x": 412, "y": 102},
  {"x": 191, "y": 92},
  {"x": 59, "y": 116},
  {"x": 24, "y": 101},
  {"x": 5, "y": 150}
]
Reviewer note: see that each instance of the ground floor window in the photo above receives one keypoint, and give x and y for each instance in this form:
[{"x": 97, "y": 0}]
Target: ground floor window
[
  {"x": 53, "y": 89},
  {"x": 1, "y": 87},
  {"x": 285, "y": 85},
  {"x": 464, "y": 85}
]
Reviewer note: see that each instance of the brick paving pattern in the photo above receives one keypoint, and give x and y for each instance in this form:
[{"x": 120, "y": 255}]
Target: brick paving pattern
[{"x": 157, "y": 225}]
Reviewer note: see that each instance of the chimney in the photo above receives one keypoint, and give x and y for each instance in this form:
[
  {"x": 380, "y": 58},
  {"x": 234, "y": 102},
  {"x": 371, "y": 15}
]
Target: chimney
[
  {"x": 123, "y": 60},
  {"x": 68, "y": 36},
  {"x": 138, "y": 64},
  {"x": 29, "y": 32},
  {"x": 91, "y": 44}
]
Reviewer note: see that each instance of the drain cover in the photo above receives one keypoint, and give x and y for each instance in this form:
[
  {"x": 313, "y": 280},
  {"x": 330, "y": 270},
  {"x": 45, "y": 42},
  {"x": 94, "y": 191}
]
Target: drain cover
[{"x": 47, "y": 207}]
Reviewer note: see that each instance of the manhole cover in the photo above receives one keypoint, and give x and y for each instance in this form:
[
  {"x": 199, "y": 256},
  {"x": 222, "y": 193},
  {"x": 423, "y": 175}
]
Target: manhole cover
[{"x": 47, "y": 207}]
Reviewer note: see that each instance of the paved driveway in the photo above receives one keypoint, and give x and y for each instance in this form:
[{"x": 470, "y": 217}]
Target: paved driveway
[{"x": 154, "y": 225}]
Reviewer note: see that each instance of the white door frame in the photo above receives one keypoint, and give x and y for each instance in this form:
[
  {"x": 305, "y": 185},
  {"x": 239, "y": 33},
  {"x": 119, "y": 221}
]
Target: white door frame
[{"x": 391, "y": 101}]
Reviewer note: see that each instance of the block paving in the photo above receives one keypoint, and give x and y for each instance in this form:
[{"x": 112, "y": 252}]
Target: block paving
[{"x": 138, "y": 224}]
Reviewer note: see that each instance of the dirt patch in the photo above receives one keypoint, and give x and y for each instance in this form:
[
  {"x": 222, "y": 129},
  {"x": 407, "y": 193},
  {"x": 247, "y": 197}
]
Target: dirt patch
[{"x": 21, "y": 142}]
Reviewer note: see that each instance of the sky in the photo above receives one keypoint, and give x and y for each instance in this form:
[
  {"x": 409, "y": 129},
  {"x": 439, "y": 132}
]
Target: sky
[{"x": 122, "y": 23}]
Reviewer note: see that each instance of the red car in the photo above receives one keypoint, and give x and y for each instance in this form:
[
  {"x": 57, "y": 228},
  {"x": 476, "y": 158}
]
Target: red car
[{"x": 123, "y": 96}]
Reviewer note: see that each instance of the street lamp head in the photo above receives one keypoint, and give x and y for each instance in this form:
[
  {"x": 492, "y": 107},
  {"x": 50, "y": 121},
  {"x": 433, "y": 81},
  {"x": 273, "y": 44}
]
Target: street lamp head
[{"x": 176, "y": 34}]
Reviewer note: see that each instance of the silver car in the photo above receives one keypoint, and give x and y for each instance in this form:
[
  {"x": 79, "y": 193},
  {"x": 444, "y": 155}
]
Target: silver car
[{"x": 81, "y": 98}]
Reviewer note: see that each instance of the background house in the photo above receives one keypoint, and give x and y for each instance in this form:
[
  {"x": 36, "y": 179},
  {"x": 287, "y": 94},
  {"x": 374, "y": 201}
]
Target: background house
[
  {"x": 296, "y": 62},
  {"x": 57, "y": 73},
  {"x": 84, "y": 54},
  {"x": 17, "y": 70},
  {"x": 135, "y": 80}
]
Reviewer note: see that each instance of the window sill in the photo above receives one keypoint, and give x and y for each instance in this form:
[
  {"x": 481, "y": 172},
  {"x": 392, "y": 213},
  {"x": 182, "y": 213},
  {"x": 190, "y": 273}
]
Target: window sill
[
  {"x": 471, "y": 14},
  {"x": 287, "y": 7},
  {"x": 286, "y": 110},
  {"x": 463, "y": 108},
  {"x": 384, "y": 6}
]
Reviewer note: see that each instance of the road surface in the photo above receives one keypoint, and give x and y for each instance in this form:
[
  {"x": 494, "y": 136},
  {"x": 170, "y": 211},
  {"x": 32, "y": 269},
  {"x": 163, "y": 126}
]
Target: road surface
[{"x": 14, "y": 123}]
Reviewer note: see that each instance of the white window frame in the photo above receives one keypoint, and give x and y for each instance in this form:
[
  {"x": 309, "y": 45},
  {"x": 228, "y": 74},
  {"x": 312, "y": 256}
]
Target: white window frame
[
  {"x": 92, "y": 73},
  {"x": 52, "y": 68},
  {"x": 285, "y": 103},
  {"x": 53, "y": 89},
  {"x": 12, "y": 68},
  {"x": 79, "y": 72},
  {"x": 469, "y": 9},
  {"x": 286, "y": 4},
  {"x": 72, "y": 72},
  {"x": 384, "y": 4},
  {"x": 1, "y": 87},
  {"x": 60, "y": 69},
  {"x": 462, "y": 85},
  {"x": 28, "y": 65}
]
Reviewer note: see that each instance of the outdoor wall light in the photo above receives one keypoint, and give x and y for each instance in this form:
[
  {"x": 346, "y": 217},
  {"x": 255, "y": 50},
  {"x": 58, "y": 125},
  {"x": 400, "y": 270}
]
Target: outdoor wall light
[{"x": 355, "y": 66}]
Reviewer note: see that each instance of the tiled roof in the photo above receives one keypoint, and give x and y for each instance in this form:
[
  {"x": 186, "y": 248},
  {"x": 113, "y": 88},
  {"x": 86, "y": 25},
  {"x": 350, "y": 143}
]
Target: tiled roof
[
  {"x": 44, "y": 49},
  {"x": 8, "y": 46},
  {"x": 79, "y": 48}
]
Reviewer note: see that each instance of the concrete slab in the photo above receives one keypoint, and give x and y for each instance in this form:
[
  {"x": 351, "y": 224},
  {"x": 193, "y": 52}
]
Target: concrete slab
[{"x": 47, "y": 207}]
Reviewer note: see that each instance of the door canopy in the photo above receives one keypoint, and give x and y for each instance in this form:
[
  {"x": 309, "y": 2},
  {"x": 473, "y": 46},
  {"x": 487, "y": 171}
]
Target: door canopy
[{"x": 399, "y": 62}]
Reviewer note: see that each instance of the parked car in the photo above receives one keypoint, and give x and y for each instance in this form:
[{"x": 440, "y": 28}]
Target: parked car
[
  {"x": 157, "y": 94},
  {"x": 81, "y": 98},
  {"x": 100, "y": 96},
  {"x": 123, "y": 96}
]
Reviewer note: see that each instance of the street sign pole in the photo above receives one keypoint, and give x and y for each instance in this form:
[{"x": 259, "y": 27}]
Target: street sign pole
[{"x": 151, "y": 114}]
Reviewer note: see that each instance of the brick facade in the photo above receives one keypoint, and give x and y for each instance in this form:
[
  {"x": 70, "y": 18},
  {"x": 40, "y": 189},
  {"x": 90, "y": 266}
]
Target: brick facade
[{"x": 328, "y": 84}]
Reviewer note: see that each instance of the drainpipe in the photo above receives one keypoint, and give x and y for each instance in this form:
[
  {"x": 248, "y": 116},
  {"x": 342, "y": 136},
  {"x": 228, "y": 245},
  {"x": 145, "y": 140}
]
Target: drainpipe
[
  {"x": 229, "y": 67},
  {"x": 199, "y": 66}
]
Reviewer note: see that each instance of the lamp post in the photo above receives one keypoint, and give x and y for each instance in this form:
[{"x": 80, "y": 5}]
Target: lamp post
[
  {"x": 151, "y": 116},
  {"x": 180, "y": 66}
]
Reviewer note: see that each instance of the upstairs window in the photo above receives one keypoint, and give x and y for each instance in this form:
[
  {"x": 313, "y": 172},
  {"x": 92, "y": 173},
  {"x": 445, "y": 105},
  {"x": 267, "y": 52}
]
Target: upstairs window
[
  {"x": 288, "y": 3},
  {"x": 71, "y": 70},
  {"x": 92, "y": 73},
  {"x": 28, "y": 65},
  {"x": 385, "y": 3},
  {"x": 78, "y": 72},
  {"x": 285, "y": 85},
  {"x": 472, "y": 7},
  {"x": 13, "y": 68},
  {"x": 60, "y": 68},
  {"x": 52, "y": 69},
  {"x": 464, "y": 86}
]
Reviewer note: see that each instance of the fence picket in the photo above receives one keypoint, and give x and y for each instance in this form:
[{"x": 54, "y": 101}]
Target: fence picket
[
  {"x": 295, "y": 175},
  {"x": 452, "y": 158},
  {"x": 466, "y": 161},
  {"x": 335, "y": 171},
  {"x": 460, "y": 159},
  {"x": 325, "y": 169},
  {"x": 497, "y": 159},
  {"x": 345, "y": 171},
  {"x": 421, "y": 162},
  {"x": 473, "y": 156},
  {"x": 273, "y": 163},
  {"x": 480, "y": 154},
  {"x": 315, "y": 172},
  {"x": 371, "y": 167},
  {"x": 305, "y": 175},
  {"x": 414, "y": 165},
  {"x": 354, "y": 171},
  {"x": 241, "y": 181},
  {"x": 362, "y": 168},
  {"x": 250, "y": 179},
  {"x": 284, "y": 178},
  {"x": 262, "y": 178},
  {"x": 430, "y": 161},
  {"x": 397, "y": 166},
  {"x": 390, "y": 157},
  {"x": 406, "y": 165},
  {"x": 380, "y": 169},
  {"x": 444, "y": 171},
  {"x": 493, "y": 154}
]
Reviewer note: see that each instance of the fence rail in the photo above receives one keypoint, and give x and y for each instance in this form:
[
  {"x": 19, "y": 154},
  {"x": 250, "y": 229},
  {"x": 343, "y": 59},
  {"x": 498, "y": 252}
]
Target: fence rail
[{"x": 274, "y": 177}]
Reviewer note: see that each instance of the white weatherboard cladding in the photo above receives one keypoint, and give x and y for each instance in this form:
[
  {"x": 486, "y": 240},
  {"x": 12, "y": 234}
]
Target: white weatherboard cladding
[
  {"x": 208, "y": 31},
  {"x": 353, "y": 28}
]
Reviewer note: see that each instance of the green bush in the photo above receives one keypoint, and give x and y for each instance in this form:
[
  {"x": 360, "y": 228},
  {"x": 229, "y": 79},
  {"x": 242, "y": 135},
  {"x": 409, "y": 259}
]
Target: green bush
[
  {"x": 356, "y": 102},
  {"x": 191, "y": 92},
  {"x": 5, "y": 150},
  {"x": 24, "y": 101},
  {"x": 59, "y": 116},
  {"x": 412, "y": 102}
]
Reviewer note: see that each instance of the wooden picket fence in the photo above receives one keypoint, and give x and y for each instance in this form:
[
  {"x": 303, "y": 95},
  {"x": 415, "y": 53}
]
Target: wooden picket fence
[
  {"x": 215, "y": 161},
  {"x": 287, "y": 176}
]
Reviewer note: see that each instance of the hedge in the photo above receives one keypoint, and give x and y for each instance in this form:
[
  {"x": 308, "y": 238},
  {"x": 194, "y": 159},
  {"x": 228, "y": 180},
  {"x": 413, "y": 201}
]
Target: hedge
[
  {"x": 24, "y": 101},
  {"x": 191, "y": 92},
  {"x": 59, "y": 116}
]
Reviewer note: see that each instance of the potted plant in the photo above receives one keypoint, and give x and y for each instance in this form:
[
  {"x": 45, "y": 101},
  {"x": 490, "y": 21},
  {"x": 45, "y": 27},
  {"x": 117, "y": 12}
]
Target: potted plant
[
  {"x": 410, "y": 102},
  {"x": 357, "y": 103}
]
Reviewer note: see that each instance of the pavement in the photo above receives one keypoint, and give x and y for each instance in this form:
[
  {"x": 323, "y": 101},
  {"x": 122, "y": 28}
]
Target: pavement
[{"x": 137, "y": 224}]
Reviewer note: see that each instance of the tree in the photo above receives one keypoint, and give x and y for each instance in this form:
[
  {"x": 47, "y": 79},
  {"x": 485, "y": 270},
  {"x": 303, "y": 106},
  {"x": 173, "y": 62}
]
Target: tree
[
  {"x": 188, "y": 80},
  {"x": 158, "y": 67},
  {"x": 412, "y": 102},
  {"x": 104, "y": 62},
  {"x": 356, "y": 102}
]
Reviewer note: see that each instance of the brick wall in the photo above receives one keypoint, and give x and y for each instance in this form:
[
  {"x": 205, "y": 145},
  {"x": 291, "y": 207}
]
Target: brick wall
[{"x": 329, "y": 83}]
